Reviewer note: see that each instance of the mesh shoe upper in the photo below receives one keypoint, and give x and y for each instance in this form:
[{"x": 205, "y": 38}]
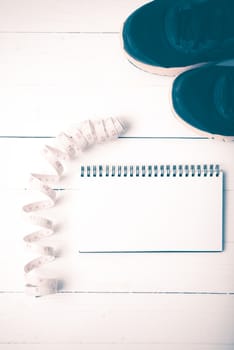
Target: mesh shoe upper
[
  {"x": 171, "y": 33},
  {"x": 204, "y": 98}
]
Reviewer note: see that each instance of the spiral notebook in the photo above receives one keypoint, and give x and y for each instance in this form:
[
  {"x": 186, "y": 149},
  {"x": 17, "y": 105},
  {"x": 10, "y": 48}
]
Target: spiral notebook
[{"x": 150, "y": 208}]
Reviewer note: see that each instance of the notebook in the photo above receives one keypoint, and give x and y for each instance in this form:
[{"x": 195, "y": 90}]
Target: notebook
[{"x": 150, "y": 208}]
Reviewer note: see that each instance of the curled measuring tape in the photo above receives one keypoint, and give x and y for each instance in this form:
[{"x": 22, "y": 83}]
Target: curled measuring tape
[{"x": 71, "y": 144}]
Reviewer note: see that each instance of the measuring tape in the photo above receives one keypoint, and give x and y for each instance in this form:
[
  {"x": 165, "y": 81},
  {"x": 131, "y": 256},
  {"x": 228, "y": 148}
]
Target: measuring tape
[{"x": 71, "y": 144}]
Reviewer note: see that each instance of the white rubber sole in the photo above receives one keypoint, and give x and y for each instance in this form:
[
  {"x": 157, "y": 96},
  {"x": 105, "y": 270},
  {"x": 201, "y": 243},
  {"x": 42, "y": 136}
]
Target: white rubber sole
[
  {"x": 160, "y": 70},
  {"x": 195, "y": 130}
]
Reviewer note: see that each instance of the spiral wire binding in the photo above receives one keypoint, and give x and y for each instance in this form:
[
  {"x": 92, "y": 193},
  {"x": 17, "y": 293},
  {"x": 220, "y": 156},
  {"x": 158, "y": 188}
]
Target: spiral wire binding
[
  {"x": 149, "y": 170},
  {"x": 71, "y": 144}
]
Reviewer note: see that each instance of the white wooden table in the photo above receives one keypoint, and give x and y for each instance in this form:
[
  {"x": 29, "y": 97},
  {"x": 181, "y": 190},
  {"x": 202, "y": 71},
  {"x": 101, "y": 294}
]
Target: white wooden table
[{"x": 61, "y": 62}]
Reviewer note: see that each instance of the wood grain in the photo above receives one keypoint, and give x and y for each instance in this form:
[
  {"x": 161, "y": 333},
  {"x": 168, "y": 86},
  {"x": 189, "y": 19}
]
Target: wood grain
[
  {"x": 38, "y": 70},
  {"x": 155, "y": 346},
  {"x": 65, "y": 16},
  {"x": 113, "y": 319},
  {"x": 21, "y": 156},
  {"x": 61, "y": 62}
]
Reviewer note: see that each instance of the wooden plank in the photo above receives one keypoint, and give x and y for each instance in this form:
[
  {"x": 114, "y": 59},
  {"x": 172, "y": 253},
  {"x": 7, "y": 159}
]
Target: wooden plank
[
  {"x": 22, "y": 156},
  {"x": 116, "y": 346},
  {"x": 65, "y": 16},
  {"x": 80, "y": 60},
  {"x": 158, "y": 272},
  {"x": 51, "y": 80},
  {"x": 117, "y": 319},
  {"x": 42, "y": 110},
  {"x": 48, "y": 81}
]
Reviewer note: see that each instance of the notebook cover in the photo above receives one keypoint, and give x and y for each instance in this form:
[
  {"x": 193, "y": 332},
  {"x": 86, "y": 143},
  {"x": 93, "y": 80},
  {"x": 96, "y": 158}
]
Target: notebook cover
[{"x": 142, "y": 213}]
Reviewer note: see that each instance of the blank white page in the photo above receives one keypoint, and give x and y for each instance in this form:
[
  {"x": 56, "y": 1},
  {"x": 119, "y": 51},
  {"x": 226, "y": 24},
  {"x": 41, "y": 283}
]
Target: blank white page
[{"x": 150, "y": 213}]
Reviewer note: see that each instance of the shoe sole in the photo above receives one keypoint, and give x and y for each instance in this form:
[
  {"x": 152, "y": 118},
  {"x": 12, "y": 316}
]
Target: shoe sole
[
  {"x": 195, "y": 130},
  {"x": 170, "y": 72}
]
